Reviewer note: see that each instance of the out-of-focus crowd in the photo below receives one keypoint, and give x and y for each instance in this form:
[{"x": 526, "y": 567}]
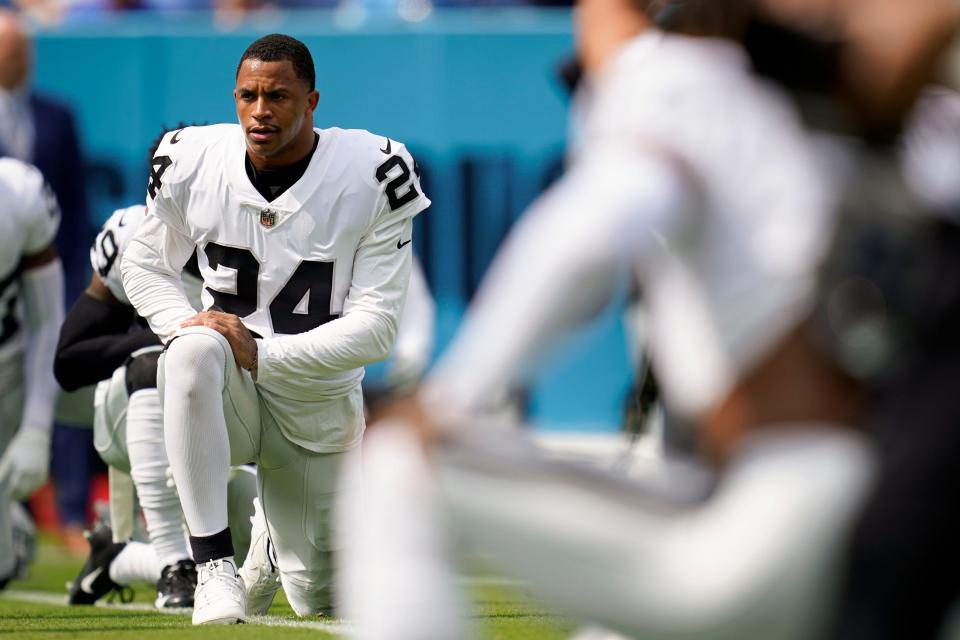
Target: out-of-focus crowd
[{"x": 60, "y": 11}]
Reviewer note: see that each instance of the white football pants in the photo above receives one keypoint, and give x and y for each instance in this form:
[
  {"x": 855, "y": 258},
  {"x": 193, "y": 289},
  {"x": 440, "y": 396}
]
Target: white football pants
[
  {"x": 214, "y": 417},
  {"x": 756, "y": 560}
]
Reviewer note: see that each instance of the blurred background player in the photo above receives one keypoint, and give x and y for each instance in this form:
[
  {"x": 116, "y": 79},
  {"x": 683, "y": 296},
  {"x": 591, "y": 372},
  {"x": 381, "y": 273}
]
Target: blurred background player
[
  {"x": 412, "y": 350},
  {"x": 304, "y": 234},
  {"x": 102, "y": 340},
  {"x": 758, "y": 558},
  {"x": 39, "y": 130},
  {"x": 31, "y": 310}
]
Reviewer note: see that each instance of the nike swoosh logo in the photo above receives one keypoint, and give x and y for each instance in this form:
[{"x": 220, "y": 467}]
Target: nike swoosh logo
[
  {"x": 86, "y": 585},
  {"x": 401, "y": 245},
  {"x": 176, "y": 137},
  {"x": 121, "y": 222},
  {"x": 387, "y": 149}
]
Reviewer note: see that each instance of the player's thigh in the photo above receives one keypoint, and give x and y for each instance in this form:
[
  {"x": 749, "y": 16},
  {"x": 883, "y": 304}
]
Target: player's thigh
[
  {"x": 298, "y": 489},
  {"x": 241, "y": 403},
  {"x": 110, "y": 420}
]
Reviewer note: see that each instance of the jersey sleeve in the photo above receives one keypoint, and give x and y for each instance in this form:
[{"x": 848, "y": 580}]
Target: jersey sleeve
[
  {"x": 111, "y": 243},
  {"x": 398, "y": 176},
  {"x": 168, "y": 173},
  {"x": 42, "y": 213}
]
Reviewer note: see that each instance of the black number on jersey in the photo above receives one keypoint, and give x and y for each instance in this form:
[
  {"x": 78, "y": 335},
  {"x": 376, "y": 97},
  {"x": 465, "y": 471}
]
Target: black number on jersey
[
  {"x": 311, "y": 283},
  {"x": 9, "y": 289},
  {"x": 108, "y": 250},
  {"x": 397, "y": 200},
  {"x": 9, "y": 325},
  {"x": 244, "y": 301},
  {"x": 158, "y": 166}
]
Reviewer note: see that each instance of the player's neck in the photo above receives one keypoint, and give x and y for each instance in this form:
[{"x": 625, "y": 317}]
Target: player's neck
[
  {"x": 302, "y": 147},
  {"x": 604, "y": 27}
]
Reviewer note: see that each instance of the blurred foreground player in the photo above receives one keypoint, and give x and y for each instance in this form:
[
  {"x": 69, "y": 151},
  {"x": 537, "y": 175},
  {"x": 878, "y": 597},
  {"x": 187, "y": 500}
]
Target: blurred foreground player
[
  {"x": 701, "y": 179},
  {"x": 856, "y": 69},
  {"x": 758, "y": 558},
  {"x": 303, "y": 242},
  {"x": 31, "y": 309}
]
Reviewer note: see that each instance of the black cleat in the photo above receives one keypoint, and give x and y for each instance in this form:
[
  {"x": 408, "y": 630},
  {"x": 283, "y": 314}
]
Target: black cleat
[
  {"x": 94, "y": 580},
  {"x": 176, "y": 585}
]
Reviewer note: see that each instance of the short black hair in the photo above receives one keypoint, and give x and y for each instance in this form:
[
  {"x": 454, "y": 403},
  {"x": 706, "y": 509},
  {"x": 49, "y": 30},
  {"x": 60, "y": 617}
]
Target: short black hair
[{"x": 276, "y": 47}]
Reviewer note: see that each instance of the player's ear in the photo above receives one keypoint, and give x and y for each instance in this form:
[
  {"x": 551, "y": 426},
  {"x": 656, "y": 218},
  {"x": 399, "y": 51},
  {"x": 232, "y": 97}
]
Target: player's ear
[{"x": 313, "y": 99}]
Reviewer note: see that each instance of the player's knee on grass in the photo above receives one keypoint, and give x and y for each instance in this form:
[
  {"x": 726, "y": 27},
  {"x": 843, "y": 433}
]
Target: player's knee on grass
[{"x": 306, "y": 596}]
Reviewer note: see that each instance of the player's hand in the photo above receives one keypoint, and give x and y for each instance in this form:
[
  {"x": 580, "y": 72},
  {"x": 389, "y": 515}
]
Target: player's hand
[
  {"x": 229, "y": 326},
  {"x": 411, "y": 412},
  {"x": 26, "y": 463}
]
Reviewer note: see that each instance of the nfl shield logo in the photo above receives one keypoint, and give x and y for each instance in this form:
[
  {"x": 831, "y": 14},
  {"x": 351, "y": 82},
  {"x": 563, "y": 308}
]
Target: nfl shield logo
[{"x": 268, "y": 218}]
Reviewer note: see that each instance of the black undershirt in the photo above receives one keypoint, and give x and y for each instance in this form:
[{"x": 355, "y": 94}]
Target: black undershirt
[{"x": 271, "y": 183}]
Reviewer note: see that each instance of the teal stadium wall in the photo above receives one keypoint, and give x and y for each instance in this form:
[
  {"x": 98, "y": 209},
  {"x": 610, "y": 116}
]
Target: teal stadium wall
[{"x": 474, "y": 94}]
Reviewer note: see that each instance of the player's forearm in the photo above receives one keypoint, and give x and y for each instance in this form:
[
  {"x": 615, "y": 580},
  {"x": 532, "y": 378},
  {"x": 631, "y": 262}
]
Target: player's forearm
[
  {"x": 355, "y": 340},
  {"x": 96, "y": 337},
  {"x": 561, "y": 266},
  {"x": 43, "y": 308},
  {"x": 155, "y": 292}
]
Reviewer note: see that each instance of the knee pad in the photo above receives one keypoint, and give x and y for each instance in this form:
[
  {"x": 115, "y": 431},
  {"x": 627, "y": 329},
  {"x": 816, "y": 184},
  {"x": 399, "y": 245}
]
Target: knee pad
[
  {"x": 142, "y": 370},
  {"x": 198, "y": 355},
  {"x": 307, "y": 598}
]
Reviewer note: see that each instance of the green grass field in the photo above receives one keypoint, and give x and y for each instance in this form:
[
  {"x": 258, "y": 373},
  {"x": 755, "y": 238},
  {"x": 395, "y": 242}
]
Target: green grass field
[{"x": 35, "y": 609}]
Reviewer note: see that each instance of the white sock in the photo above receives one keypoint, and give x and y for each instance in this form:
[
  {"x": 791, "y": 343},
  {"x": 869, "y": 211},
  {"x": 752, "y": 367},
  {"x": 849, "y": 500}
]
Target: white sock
[
  {"x": 195, "y": 430},
  {"x": 136, "y": 563},
  {"x": 398, "y": 585},
  {"x": 148, "y": 467}
]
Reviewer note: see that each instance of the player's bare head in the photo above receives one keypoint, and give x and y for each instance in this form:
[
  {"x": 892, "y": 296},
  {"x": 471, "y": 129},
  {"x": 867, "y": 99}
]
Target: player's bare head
[
  {"x": 603, "y": 26},
  {"x": 275, "y": 100},
  {"x": 888, "y": 49},
  {"x": 276, "y": 47},
  {"x": 14, "y": 51}
]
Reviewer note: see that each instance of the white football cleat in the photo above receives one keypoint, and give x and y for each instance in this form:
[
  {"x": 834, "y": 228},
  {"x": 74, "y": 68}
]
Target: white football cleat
[
  {"x": 260, "y": 573},
  {"x": 220, "y": 598}
]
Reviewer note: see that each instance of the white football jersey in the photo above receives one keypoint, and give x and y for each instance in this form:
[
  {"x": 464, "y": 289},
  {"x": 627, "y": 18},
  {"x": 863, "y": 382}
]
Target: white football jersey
[
  {"x": 28, "y": 225},
  {"x": 112, "y": 242},
  {"x": 319, "y": 274},
  {"x": 702, "y": 176}
]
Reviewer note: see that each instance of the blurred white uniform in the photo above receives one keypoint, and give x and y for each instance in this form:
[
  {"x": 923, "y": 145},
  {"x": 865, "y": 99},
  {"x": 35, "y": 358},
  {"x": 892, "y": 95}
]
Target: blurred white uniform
[
  {"x": 698, "y": 177},
  {"x": 414, "y": 344},
  {"x": 320, "y": 274},
  {"x": 28, "y": 226}
]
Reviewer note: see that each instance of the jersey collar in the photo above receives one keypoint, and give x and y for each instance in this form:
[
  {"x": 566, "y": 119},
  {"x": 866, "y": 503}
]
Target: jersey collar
[{"x": 290, "y": 200}]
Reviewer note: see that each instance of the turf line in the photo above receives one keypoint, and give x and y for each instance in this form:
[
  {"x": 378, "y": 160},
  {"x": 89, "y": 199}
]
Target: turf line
[{"x": 42, "y": 597}]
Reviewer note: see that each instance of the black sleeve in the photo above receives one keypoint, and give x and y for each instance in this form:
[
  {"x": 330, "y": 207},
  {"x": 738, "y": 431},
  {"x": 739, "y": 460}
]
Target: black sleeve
[{"x": 95, "y": 339}]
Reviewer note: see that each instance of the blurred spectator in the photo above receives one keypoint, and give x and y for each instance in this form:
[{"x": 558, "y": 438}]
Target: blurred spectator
[{"x": 39, "y": 130}]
